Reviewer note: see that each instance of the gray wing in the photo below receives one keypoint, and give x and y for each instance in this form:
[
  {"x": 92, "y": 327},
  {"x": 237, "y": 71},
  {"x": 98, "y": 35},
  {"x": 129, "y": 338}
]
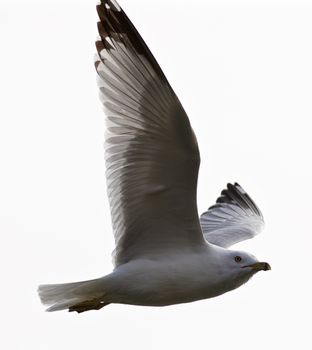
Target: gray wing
[
  {"x": 152, "y": 156},
  {"x": 234, "y": 218}
]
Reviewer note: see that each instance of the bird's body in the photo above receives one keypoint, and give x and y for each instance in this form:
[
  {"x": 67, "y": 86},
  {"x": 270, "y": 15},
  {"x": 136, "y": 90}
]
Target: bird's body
[
  {"x": 165, "y": 254},
  {"x": 164, "y": 280},
  {"x": 173, "y": 279}
]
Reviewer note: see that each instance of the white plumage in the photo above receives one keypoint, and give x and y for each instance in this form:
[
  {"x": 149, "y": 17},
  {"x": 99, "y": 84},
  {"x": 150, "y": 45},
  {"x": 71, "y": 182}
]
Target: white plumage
[{"x": 164, "y": 253}]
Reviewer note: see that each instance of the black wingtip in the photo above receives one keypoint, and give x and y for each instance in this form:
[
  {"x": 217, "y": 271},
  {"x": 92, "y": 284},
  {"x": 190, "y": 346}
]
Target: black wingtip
[
  {"x": 234, "y": 193},
  {"x": 115, "y": 25},
  {"x": 111, "y": 5}
]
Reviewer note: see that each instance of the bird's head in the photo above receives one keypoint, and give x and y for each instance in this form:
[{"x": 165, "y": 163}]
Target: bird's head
[{"x": 241, "y": 266}]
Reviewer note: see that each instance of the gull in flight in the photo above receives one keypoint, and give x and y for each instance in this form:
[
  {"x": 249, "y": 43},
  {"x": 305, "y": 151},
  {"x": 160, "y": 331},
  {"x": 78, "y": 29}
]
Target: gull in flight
[{"x": 165, "y": 253}]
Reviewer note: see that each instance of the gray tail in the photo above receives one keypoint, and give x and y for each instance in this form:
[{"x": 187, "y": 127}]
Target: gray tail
[{"x": 78, "y": 296}]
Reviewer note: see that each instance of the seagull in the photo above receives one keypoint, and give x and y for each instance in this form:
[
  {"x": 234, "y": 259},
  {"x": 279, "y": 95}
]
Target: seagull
[{"x": 165, "y": 253}]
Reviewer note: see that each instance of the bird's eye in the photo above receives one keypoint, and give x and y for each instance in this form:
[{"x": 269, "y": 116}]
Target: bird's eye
[{"x": 238, "y": 258}]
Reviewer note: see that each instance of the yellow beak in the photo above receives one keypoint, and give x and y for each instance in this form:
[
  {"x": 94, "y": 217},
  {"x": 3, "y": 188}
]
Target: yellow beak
[{"x": 260, "y": 266}]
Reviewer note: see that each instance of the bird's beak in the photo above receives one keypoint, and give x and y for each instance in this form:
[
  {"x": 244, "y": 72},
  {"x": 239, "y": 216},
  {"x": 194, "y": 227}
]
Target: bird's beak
[{"x": 260, "y": 266}]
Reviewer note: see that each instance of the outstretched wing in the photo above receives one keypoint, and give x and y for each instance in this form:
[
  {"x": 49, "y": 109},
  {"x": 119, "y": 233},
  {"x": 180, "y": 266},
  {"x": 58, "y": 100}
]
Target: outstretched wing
[
  {"x": 152, "y": 156},
  {"x": 234, "y": 218}
]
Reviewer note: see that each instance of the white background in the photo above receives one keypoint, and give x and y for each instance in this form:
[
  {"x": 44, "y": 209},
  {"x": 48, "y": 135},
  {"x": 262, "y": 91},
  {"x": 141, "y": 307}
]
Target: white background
[{"x": 243, "y": 72}]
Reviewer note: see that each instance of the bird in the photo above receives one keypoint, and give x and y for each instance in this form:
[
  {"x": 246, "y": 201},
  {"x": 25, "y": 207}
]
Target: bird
[{"x": 165, "y": 253}]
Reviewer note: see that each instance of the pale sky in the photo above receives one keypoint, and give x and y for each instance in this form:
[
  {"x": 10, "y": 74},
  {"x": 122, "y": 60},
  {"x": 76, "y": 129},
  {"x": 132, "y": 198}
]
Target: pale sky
[{"x": 242, "y": 70}]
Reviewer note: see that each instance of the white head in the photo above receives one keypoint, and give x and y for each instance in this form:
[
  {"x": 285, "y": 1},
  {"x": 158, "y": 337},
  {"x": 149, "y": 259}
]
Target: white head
[{"x": 239, "y": 267}]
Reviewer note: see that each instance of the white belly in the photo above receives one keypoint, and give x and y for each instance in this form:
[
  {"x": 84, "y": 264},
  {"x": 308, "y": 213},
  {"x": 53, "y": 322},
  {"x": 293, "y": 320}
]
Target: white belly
[{"x": 165, "y": 282}]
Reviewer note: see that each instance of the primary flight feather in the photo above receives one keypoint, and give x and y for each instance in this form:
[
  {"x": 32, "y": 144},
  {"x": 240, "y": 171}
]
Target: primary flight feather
[{"x": 165, "y": 254}]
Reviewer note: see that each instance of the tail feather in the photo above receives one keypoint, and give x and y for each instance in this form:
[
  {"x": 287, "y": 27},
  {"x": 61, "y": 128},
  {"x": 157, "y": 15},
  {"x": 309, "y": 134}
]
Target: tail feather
[{"x": 77, "y": 296}]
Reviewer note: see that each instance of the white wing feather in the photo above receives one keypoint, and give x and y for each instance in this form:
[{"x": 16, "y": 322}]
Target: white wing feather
[
  {"x": 152, "y": 156},
  {"x": 234, "y": 218}
]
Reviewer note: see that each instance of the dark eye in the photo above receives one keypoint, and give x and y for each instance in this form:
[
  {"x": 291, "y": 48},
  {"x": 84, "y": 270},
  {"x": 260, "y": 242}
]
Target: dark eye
[{"x": 238, "y": 258}]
